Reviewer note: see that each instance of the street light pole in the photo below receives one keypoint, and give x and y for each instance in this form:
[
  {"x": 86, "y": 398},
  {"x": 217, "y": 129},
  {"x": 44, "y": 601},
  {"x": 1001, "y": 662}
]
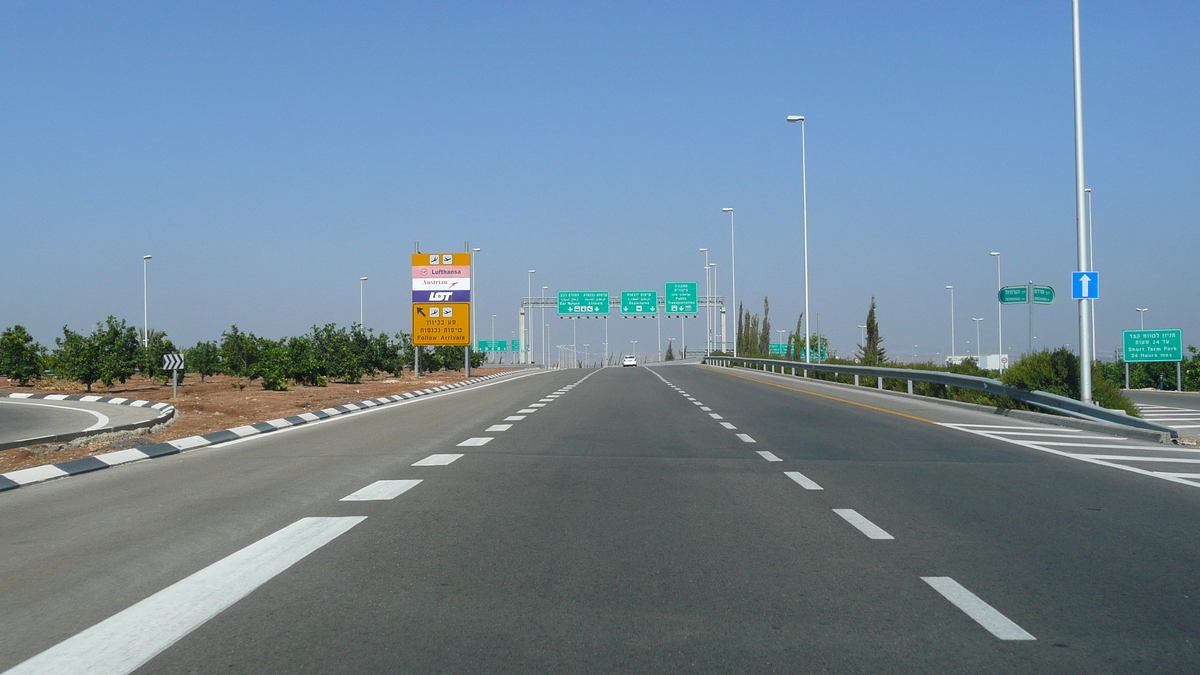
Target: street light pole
[
  {"x": 707, "y": 307},
  {"x": 544, "y": 329},
  {"x": 804, "y": 189},
  {"x": 528, "y": 347},
  {"x": 1142, "y": 315},
  {"x": 361, "y": 279},
  {"x": 1091, "y": 268},
  {"x": 951, "y": 288},
  {"x": 733, "y": 272},
  {"x": 1085, "y": 309},
  {"x": 999, "y": 313},
  {"x": 474, "y": 323},
  {"x": 978, "y": 354},
  {"x": 145, "y": 306}
]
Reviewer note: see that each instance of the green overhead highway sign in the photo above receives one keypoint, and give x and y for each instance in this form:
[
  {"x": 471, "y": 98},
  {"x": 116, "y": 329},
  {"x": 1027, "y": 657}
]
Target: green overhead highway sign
[
  {"x": 493, "y": 345},
  {"x": 1142, "y": 346},
  {"x": 514, "y": 345},
  {"x": 778, "y": 348},
  {"x": 681, "y": 297},
  {"x": 1043, "y": 295},
  {"x": 583, "y": 302},
  {"x": 639, "y": 302}
]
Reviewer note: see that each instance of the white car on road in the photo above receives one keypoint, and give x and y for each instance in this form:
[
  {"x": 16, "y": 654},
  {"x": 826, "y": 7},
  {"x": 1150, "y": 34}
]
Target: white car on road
[{"x": 628, "y": 360}]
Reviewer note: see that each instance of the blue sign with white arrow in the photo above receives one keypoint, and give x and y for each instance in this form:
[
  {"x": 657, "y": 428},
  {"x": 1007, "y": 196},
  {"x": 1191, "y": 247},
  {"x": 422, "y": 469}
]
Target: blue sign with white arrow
[{"x": 1085, "y": 285}]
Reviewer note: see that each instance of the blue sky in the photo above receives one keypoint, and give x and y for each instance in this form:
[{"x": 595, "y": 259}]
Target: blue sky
[{"x": 270, "y": 154}]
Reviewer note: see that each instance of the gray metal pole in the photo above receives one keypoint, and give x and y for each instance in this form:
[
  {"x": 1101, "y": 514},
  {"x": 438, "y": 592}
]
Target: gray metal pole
[
  {"x": 1085, "y": 310},
  {"x": 804, "y": 190},
  {"x": 175, "y": 384}
]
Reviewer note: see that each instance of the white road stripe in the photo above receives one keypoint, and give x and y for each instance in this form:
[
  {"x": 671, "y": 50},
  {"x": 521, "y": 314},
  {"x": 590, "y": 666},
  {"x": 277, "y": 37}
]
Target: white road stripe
[
  {"x": 984, "y": 614},
  {"x": 715, "y": 416},
  {"x": 477, "y": 441},
  {"x": 514, "y": 418},
  {"x": 438, "y": 460},
  {"x": 499, "y": 427},
  {"x": 746, "y": 438},
  {"x": 697, "y": 403},
  {"x": 526, "y": 411},
  {"x": 727, "y": 425},
  {"x": 705, "y": 408},
  {"x": 381, "y": 490},
  {"x": 130, "y": 638},
  {"x": 546, "y": 400},
  {"x": 769, "y": 456},
  {"x": 865, "y": 526},
  {"x": 537, "y": 405},
  {"x": 121, "y": 456},
  {"x": 804, "y": 481},
  {"x": 1129, "y": 458}
]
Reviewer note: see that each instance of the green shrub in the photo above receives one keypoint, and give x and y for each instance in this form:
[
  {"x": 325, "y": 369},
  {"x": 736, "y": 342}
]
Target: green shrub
[{"x": 1057, "y": 372}]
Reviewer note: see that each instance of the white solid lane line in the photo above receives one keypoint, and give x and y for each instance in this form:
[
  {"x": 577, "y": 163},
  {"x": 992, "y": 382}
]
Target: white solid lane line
[
  {"x": 498, "y": 427},
  {"x": 514, "y": 418},
  {"x": 865, "y": 526},
  {"x": 804, "y": 481},
  {"x": 123, "y": 642},
  {"x": 473, "y": 442},
  {"x": 769, "y": 456},
  {"x": 984, "y": 614},
  {"x": 381, "y": 490},
  {"x": 746, "y": 438},
  {"x": 727, "y": 425},
  {"x": 438, "y": 460}
]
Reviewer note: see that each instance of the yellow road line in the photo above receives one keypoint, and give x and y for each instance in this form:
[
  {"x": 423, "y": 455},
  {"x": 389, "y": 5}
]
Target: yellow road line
[{"x": 832, "y": 398}]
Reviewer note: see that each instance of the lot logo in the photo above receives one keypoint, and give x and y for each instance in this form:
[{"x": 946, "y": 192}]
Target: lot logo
[{"x": 440, "y": 296}]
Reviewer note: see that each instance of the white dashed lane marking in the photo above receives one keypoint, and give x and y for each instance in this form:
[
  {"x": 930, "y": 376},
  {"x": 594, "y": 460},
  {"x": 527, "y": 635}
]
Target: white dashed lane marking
[
  {"x": 769, "y": 456},
  {"x": 499, "y": 427},
  {"x": 381, "y": 490},
  {"x": 438, "y": 460},
  {"x": 128, "y": 639},
  {"x": 984, "y": 614},
  {"x": 804, "y": 481},
  {"x": 474, "y": 442},
  {"x": 746, "y": 438},
  {"x": 727, "y": 425},
  {"x": 1177, "y": 418},
  {"x": 514, "y": 418},
  {"x": 537, "y": 405},
  {"x": 715, "y": 416},
  {"x": 865, "y": 526},
  {"x": 705, "y": 408},
  {"x": 526, "y": 411}
]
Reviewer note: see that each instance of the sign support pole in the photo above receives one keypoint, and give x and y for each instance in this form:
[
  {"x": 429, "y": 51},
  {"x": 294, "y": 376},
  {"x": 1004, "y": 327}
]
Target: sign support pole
[{"x": 1085, "y": 308}]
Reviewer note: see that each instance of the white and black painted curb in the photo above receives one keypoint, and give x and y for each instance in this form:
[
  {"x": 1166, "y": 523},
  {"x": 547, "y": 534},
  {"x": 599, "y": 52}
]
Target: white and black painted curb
[
  {"x": 41, "y": 474},
  {"x": 165, "y": 412}
]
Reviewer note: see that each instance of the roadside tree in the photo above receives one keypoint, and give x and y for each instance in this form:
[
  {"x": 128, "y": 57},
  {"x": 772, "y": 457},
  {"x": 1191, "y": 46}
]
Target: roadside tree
[{"x": 21, "y": 359}]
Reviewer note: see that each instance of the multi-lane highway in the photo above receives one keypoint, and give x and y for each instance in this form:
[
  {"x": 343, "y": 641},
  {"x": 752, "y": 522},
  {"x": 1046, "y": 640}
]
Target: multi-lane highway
[{"x": 673, "y": 519}]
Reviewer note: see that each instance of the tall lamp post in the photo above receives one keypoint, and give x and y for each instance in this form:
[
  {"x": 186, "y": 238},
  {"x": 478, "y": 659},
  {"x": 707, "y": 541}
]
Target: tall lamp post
[
  {"x": 733, "y": 273},
  {"x": 804, "y": 189},
  {"x": 999, "y": 313},
  {"x": 634, "y": 349},
  {"x": 360, "y": 300},
  {"x": 1142, "y": 315},
  {"x": 145, "y": 305},
  {"x": 528, "y": 347},
  {"x": 978, "y": 354},
  {"x": 951, "y": 289},
  {"x": 474, "y": 324},
  {"x": 863, "y": 330},
  {"x": 493, "y": 333},
  {"x": 1091, "y": 267},
  {"x": 545, "y": 327},
  {"x": 707, "y": 307}
]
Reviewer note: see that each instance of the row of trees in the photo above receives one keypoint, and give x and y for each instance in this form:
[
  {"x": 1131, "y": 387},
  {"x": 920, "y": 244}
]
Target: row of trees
[{"x": 113, "y": 352}]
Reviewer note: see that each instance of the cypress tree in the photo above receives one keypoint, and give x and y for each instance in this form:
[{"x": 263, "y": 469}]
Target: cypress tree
[{"x": 872, "y": 354}]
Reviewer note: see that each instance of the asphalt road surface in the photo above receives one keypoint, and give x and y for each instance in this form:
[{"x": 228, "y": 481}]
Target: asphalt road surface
[
  {"x": 671, "y": 519},
  {"x": 1178, "y": 409},
  {"x": 30, "y": 419}
]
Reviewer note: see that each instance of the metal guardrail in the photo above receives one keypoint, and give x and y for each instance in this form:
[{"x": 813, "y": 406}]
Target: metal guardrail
[{"x": 1041, "y": 399}]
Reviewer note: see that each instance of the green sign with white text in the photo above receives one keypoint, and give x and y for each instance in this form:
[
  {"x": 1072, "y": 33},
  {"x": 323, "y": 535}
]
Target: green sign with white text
[
  {"x": 639, "y": 302},
  {"x": 682, "y": 297},
  {"x": 583, "y": 302},
  {"x": 1143, "y": 346},
  {"x": 1019, "y": 295}
]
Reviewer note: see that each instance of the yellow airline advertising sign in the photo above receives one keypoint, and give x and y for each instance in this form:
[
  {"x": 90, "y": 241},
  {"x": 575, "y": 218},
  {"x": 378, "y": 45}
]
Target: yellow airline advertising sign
[{"x": 441, "y": 323}]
